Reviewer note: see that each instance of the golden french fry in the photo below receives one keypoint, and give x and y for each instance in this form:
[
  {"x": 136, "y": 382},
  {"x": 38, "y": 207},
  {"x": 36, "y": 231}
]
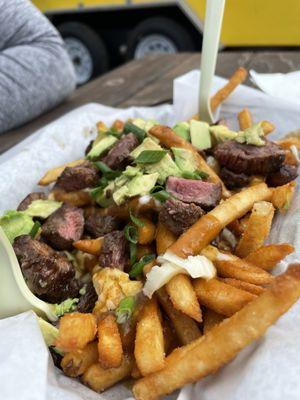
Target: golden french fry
[
  {"x": 109, "y": 343},
  {"x": 282, "y": 196},
  {"x": 147, "y": 268},
  {"x": 168, "y": 138},
  {"x": 99, "y": 379},
  {"x": 236, "y": 79},
  {"x": 149, "y": 342},
  {"x": 78, "y": 198},
  {"x": 77, "y": 362},
  {"x": 54, "y": 173},
  {"x": 249, "y": 287},
  {"x": 170, "y": 338},
  {"x": 290, "y": 158},
  {"x": 91, "y": 246},
  {"x": 220, "y": 297},
  {"x": 288, "y": 142},
  {"x": 76, "y": 330},
  {"x": 183, "y": 296},
  {"x": 245, "y": 119},
  {"x": 258, "y": 228},
  {"x": 267, "y": 257},
  {"x": 210, "y": 319},
  {"x": 101, "y": 127},
  {"x": 267, "y": 126},
  {"x": 118, "y": 125},
  {"x": 230, "y": 266},
  {"x": 210, "y": 225},
  {"x": 185, "y": 327},
  {"x": 143, "y": 250},
  {"x": 164, "y": 238},
  {"x": 224, "y": 341},
  {"x": 146, "y": 233}
]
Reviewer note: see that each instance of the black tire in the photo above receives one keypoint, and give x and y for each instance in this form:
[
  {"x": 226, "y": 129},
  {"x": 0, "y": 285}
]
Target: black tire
[
  {"x": 166, "y": 27},
  {"x": 92, "y": 43}
]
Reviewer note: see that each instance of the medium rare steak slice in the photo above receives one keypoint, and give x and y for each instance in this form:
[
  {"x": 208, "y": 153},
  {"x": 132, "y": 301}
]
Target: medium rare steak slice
[
  {"x": 81, "y": 176},
  {"x": 48, "y": 274},
  {"x": 63, "y": 227},
  {"x": 25, "y": 203},
  {"x": 178, "y": 216},
  {"x": 118, "y": 155},
  {"x": 285, "y": 174},
  {"x": 204, "y": 194},
  {"x": 234, "y": 180},
  {"x": 99, "y": 225},
  {"x": 249, "y": 159},
  {"x": 114, "y": 251}
]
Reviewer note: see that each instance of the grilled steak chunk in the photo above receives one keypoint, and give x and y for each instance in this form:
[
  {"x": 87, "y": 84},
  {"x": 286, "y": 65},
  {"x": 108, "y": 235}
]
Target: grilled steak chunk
[
  {"x": 178, "y": 216},
  {"x": 249, "y": 159},
  {"x": 79, "y": 177},
  {"x": 63, "y": 227},
  {"x": 234, "y": 180},
  {"x": 118, "y": 155},
  {"x": 99, "y": 225},
  {"x": 48, "y": 274},
  {"x": 114, "y": 251},
  {"x": 87, "y": 301},
  {"x": 29, "y": 199},
  {"x": 285, "y": 174},
  {"x": 204, "y": 194}
]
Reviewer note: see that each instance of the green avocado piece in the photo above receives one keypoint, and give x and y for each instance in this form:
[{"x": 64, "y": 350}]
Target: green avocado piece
[
  {"x": 221, "y": 133},
  {"x": 49, "y": 332},
  {"x": 42, "y": 208},
  {"x": 103, "y": 197},
  {"x": 65, "y": 306},
  {"x": 185, "y": 159},
  {"x": 104, "y": 144},
  {"x": 130, "y": 171},
  {"x": 16, "y": 223},
  {"x": 120, "y": 195},
  {"x": 252, "y": 135},
  {"x": 141, "y": 185},
  {"x": 165, "y": 167},
  {"x": 146, "y": 125},
  {"x": 182, "y": 129},
  {"x": 200, "y": 135}
]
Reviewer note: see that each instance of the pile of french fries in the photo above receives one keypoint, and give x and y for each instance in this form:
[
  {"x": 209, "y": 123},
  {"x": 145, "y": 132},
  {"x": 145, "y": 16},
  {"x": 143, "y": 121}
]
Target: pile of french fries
[{"x": 190, "y": 327}]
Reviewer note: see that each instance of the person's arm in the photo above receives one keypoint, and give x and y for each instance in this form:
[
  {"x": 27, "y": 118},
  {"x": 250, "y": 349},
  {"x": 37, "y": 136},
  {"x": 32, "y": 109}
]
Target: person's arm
[{"x": 35, "y": 70}]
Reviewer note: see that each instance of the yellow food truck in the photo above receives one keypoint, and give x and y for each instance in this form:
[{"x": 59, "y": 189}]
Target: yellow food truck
[{"x": 102, "y": 33}]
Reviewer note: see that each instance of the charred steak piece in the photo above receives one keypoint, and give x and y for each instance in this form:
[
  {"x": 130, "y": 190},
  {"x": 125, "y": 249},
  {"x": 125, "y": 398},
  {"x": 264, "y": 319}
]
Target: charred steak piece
[
  {"x": 114, "y": 251},
  {"x": 285, "y": 174},
  {"x": 178, "y": 216},
  {"x": 81, "y": 176},
  {"x": 204, "y": 194},
  {"x": 118, "y": 155},
  {"x": 25, "y": 203},
  {"x": 63, "y": 227},
  {"x": 99, "y": 225},
  {"x": 234, "y": 180},
  {"x": 249, "y": 159},
  {"x": 48, "y": 274},
  {"x": 88, "y": 299}
]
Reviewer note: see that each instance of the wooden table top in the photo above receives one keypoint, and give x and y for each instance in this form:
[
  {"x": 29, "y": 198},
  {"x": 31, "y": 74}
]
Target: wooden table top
[{"x": 148, "y": 82}]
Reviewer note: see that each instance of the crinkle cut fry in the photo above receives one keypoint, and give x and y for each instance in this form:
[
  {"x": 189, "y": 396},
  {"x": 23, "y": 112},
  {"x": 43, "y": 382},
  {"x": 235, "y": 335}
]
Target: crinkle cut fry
[
  {"x": 220, "y": 345},
  {"x": 168, "y": 138}
]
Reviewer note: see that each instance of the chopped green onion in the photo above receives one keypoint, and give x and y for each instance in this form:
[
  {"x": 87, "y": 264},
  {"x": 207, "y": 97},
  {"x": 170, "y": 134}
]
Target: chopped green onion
[
  {"x": 137, "y": 221},
  {"x": 194, "y": 175},
  {"x": 156, "y": 189},
  {"x": 131, "y": 233},
  {"x": 162, "y": 195},
  {"x": 138, "y": 132},
  {"x": 114, "y": 132},
  {"x": 203, "y": 174},
  {"x": 96, "y": 192},
  {"x": 125, "y": 309},
  {"x": 150, "y": 156},
  {"x": 132, "y": 249},
  {"x": 106, "y": 171},
  {"x": 35, "y": 229},
  {"x": 137, "y": 268}
]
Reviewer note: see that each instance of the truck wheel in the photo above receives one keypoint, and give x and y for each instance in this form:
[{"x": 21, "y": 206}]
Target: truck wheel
[
  {"x": 158, "y": 35},
  {"x": 86, "y": 50}
]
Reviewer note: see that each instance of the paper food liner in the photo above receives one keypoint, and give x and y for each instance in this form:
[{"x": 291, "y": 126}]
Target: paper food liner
[{"x": 267, "y": 369}]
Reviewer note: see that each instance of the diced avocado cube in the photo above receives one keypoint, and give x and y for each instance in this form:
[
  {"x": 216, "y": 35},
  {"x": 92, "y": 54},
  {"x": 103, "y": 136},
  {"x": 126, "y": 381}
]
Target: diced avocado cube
[
  {"x": 120, "y": 195},
  {"x": 141, "y": 185},
  {"x": 221, "y": 133},
  {"x": 200, "y": 134},
  {"x": 42, "y": 208},
  {"x": 182, "y": 129},
  {"x": 104, "y": 144},
  {"x": 147, "y": 144},
  {"x": 185, "y": 159},
  {"x": 16, "y": 223},
  {"x": 104, "y": 197}
]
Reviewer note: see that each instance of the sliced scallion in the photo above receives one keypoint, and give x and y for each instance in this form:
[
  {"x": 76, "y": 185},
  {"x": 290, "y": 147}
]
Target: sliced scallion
[
  {"x": 125, "y": 309},
  {"x": 131, "y": 233},
  {"x": 138, "y": 267},
  {"x": 150, "y": 156}
]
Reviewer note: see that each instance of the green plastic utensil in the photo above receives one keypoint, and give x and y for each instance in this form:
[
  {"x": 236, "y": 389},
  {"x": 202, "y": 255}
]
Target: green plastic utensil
[{"x": 15, "y": 296}]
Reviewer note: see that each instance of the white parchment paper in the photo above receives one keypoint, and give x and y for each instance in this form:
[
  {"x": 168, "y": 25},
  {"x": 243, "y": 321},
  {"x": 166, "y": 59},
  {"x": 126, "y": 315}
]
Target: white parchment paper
[{"x": 267, "y": 370}]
